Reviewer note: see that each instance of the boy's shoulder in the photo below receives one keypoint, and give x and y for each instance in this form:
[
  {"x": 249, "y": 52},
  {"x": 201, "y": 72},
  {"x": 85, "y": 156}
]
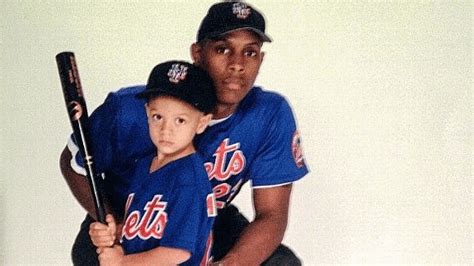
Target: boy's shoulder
[{"x": 192, "y": 170}]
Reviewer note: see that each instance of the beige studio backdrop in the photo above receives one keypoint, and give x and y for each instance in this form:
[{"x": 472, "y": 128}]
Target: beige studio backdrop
[{"x": 382, "y": 91}]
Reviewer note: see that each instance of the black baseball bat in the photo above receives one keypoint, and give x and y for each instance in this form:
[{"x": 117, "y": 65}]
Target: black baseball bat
[{"x": 77, "y": 111}]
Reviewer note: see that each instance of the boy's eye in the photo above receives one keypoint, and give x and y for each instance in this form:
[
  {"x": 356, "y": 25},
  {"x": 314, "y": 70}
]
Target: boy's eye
[
  {"x": 180, "y": 121},
  {"x": 156, "y": 117}
]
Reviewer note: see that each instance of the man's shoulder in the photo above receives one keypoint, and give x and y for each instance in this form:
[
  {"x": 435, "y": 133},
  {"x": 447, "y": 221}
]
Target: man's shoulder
[
  {"x": 125, "y": 100},
  {"x": 267, "y": 95},
  {"x": 128, "y": 92},
  {"x": 264, "y": 98},
  {"x": 261, "y": 100},
  {"x": 123, "y": 112}
]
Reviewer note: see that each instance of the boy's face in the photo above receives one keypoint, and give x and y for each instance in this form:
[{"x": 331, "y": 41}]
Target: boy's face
[
  {"x": 232, "y": 62},
  {"x": 173, "y": 124}
]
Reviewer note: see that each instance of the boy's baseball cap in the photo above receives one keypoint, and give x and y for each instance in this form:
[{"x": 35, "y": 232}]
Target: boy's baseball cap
[
  {"x": 184, "y": 81},
  {"x": 228, "y": 16}
]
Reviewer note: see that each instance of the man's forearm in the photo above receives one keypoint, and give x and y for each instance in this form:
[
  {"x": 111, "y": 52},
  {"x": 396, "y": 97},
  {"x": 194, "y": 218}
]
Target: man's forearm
[
  {"x": 78, "y": 184},
  {"x": 257, "y": 242},
  {"x": 262, "y": 236}
]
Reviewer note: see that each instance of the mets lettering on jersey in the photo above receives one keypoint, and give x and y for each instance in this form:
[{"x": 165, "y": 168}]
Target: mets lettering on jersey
[
  {"x": 218, "y": 169},
  {"x": 151, "y": 224},
  {"x": 221, "y": 171}
]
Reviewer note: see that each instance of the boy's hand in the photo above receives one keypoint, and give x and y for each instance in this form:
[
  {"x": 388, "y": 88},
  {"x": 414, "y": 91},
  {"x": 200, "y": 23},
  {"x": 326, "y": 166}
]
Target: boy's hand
[
  {"x": 103, "y": 235},
  {"x": 111, "y": 256}
]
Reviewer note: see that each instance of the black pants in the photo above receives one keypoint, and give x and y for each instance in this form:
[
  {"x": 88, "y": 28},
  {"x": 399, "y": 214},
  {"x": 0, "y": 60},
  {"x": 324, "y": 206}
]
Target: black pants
[{"x": 227, "y": 229}]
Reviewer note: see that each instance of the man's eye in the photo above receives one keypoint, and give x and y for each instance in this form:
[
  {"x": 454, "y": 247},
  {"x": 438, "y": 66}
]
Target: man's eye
[
  {"x": 251, "y": 53},
  {"x": 156, "y": 117},
  {"x": 222, "y": 50}
]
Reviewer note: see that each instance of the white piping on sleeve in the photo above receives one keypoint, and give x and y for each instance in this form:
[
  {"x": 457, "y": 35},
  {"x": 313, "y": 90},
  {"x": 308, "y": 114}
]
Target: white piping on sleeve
[
  {"x": 74, "y": 150},
  {"x": 270, "y": 186}
]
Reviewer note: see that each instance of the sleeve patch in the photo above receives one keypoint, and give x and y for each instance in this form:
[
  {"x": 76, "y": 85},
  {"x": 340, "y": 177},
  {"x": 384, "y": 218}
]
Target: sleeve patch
[{"x": 297, "y": 150}]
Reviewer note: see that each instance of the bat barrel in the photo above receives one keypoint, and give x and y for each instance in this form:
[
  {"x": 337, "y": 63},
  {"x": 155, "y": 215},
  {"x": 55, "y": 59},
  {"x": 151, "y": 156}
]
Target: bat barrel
[{"x": 70, "y": 80}]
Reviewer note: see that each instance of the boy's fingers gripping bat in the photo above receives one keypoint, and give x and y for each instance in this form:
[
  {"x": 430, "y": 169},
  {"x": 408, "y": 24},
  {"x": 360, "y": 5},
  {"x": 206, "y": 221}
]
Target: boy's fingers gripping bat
[{"x": 77, "y": 111}]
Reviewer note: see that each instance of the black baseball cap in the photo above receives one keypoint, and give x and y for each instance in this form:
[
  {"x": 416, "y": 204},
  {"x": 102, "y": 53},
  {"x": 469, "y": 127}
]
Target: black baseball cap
[
  {"x": 225, "y": 17},
  {"x": 184, "y": 81}
]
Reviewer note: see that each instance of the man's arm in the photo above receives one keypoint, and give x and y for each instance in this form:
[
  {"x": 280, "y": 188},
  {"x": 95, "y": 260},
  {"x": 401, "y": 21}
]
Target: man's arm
[
  {"x": 78, "y": 184},
  {"x": 263, "y": 235}
]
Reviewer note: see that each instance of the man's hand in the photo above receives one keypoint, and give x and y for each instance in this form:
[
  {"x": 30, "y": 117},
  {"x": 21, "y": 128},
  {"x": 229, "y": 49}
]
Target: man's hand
[{"x": 78, "y": 184}]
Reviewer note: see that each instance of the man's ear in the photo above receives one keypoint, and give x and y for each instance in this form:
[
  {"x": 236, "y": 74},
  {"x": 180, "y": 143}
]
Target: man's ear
[
  {"x": 203, "y": 123},
  {"x": 196, "y": 53}
]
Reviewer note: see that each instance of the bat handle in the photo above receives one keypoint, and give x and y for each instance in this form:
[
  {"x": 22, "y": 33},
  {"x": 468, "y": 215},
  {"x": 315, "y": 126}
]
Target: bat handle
[
  {"x": 94, "y": 179},
  {"x": 100, "y": 211}
]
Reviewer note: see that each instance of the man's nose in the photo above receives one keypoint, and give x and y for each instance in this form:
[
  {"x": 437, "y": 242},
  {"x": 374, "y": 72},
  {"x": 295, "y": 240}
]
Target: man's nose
[{"x": 237, "y": 63}]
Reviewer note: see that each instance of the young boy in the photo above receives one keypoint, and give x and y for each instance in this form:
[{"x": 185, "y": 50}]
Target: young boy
[{"x": 170, "y": 207}]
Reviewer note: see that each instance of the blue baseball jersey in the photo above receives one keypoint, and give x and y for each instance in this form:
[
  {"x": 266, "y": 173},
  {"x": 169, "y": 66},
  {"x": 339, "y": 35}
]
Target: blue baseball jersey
[
  {"x": 259, "y": 143},
  {"x": 172, "y": 207}
]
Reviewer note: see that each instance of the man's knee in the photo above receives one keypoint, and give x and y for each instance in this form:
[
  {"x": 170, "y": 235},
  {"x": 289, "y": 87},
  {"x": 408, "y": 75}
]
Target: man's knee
[
  {"x": 83, "y": 251},
  {"x": 283, "y": 256}
]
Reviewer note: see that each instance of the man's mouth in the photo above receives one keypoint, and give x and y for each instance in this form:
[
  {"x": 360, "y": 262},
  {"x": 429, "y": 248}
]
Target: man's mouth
[{"x": 233, "y": 83}]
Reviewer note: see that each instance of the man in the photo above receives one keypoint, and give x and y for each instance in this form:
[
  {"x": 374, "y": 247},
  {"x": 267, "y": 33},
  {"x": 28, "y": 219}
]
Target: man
[{"x": 253, "y": 138}]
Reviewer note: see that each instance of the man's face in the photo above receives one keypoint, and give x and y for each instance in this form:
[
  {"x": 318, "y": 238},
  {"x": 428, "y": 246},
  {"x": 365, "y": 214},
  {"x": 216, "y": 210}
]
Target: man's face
[{"x": 233, "y": 63}]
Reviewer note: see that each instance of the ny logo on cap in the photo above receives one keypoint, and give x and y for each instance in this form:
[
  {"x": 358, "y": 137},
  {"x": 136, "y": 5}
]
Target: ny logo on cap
[
  {"x": 177, "y": 73},
  {"x": 241, "y": 10}
]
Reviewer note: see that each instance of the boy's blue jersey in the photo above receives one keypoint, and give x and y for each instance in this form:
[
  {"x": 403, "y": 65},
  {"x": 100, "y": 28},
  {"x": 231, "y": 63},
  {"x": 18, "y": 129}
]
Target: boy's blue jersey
[
  {"x": 172, "y": 207},
  {"x": 258, "y": 143}
]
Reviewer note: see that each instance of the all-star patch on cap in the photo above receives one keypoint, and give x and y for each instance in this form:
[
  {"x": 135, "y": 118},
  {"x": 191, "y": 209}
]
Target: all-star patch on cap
[
  {"x": 228, "y": 16},
  {"x": 184, "y": 81}
]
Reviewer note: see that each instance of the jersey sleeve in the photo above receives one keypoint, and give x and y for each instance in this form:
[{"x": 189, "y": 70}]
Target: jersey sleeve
[
  {"x": 280, "y": 159},
  {"x": 101, "y": 136}
]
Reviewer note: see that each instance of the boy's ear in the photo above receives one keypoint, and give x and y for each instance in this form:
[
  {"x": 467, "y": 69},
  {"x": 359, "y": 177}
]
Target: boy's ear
[
  {"x": 203, "y": 123},
  {"x": 147, "y": 109}
]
